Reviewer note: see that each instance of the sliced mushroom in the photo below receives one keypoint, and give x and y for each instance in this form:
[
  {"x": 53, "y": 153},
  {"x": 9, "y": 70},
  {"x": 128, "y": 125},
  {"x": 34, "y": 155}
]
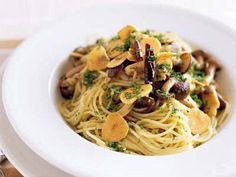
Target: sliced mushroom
[
  {"x": 152, "y": 41},
  {"x": 210, "y": 97},
  {"x": 135, "y": 67},
  {"x": 112, "y": 48},
  {"x": 126, "y": 31},
  {"x": 66, "y": 88},
  {"x": 189, "y": 102},
  {"x": 179, "y": 89},
  {"x": 168, "y": 84},
  {"x": 115, "y": 128},
  {"x": 198, "y": 121},
  {"x": 130, "y": 95},
  {"x": 184, "y": 63},
  {"x": 118, "y": 60},
  {"x": 210, "y": 70},
  {"x": 206, "y": 63},
  {"x": 144, "y": 105},
  {"x": 97, "y": 59},
  {"x": 164, "y": 65},
  {"x": 74, "y": 70}
]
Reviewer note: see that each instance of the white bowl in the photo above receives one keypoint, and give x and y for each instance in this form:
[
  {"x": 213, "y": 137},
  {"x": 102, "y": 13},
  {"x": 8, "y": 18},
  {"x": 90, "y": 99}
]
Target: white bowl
[{"x": 30, "y": 81}]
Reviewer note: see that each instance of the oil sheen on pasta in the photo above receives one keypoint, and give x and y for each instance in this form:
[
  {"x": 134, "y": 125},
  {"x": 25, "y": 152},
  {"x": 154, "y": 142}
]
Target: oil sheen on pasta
[{"x": 142, "y": 92}]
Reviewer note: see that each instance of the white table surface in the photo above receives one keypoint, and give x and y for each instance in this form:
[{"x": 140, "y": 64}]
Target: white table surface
[{"x": 20, "y": 18}]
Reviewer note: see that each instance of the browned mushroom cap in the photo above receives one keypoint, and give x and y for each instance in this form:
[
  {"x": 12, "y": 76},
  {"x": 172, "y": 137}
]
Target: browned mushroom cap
[
  {"x": 67, "y": 90},
  {"x": 144, "y": 105},
  {"x": 184, "y": 63},
  {"x": 199, "y": 55},
  {"x": 179, "y": 89},
  {"x": 203, "y": 58},
  {"x": 206, "y": 63}
]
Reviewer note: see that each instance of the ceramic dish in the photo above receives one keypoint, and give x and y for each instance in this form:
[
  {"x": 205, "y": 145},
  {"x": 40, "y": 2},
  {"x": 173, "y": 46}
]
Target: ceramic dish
[
  {"x": 22, "y": 157},
  {"x": 30, "y": 93}
]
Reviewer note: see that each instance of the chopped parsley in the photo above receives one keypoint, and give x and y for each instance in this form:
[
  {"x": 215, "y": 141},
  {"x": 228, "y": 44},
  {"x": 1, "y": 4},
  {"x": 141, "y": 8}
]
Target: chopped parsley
[
  {"x": 111, "y": 91},
  {"x": 159, "y": 37},
  {"x": 165, "y": 67},
  {"x": 178, "y": 76},
  {"x": 128, "y": 95},
  {"x": 116, "y": 147},
  {"x": 137, "y": 89},
  {"x": 196, "y": 99},
  {"x": 126, "y": 45},
  {"x": 147, "y": 31},
  {"x": 151, "y": 58},
  {"x": 163, "y": 94},
  {"x": 135, "y": 93},
  {"x": 174, "y": 111},
  {"x": 141, "y": 126},
  {"x": 131, "y": 124},
  {"x": 135, "y": 85},
  {"x": 113, "y": 107},
  {"x": 128, "y": 42},
  {"x": 197, "y": 74},
  {"x": 120, "y": 48},
  {"x": 89, "y": 78}
]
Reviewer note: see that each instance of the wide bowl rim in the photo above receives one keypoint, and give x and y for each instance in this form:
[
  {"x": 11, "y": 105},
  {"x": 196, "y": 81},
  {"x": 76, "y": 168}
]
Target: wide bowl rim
[{"x": 28, "y": 42}]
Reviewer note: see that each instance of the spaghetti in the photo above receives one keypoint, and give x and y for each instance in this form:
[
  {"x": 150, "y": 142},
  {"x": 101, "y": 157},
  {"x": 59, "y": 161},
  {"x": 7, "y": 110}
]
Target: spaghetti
[{"x": 142, "y": 92}]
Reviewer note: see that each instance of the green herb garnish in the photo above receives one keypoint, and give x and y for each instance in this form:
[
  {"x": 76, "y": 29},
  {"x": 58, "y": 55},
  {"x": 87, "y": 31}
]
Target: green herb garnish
[
  {"x": 120, "y": 48},
  {"x": 178, "y": 76},
  {"x": 151, "y": 58},
  {"x": 147, "y": 31},
  {"x": 116, "y": 147},
  {"x": 163, "y": 94},
  {"x": 197, "y": 74},
  {"x": 113, "y": 107},
  {"x": 174, "y": 111},
  {"x": 160, "y": 37},
  {"x": 89, "y": 77},
  {"x": 128, "y": 96},
  {"x": 165, "y": 67},
  {"x": 126, "y": 45},
  {"x": 128, "y": 42},
  {"x": 196, "y": 99},
  {"x": 137, "y": 89}
]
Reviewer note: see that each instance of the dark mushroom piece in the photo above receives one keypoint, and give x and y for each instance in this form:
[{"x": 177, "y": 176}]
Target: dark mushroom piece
[
  {"x": 112, "y": 72},
  {"x": 206, "y": 63},
  {"x": 179, "y": 89},
  {"x": 144, "y": 105},
  {"x": 184, "y": 63},
  {"x": 79, "y": 53},
  {"x": 200, "y": 57},
  {"x": 67, "y": 90}
]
